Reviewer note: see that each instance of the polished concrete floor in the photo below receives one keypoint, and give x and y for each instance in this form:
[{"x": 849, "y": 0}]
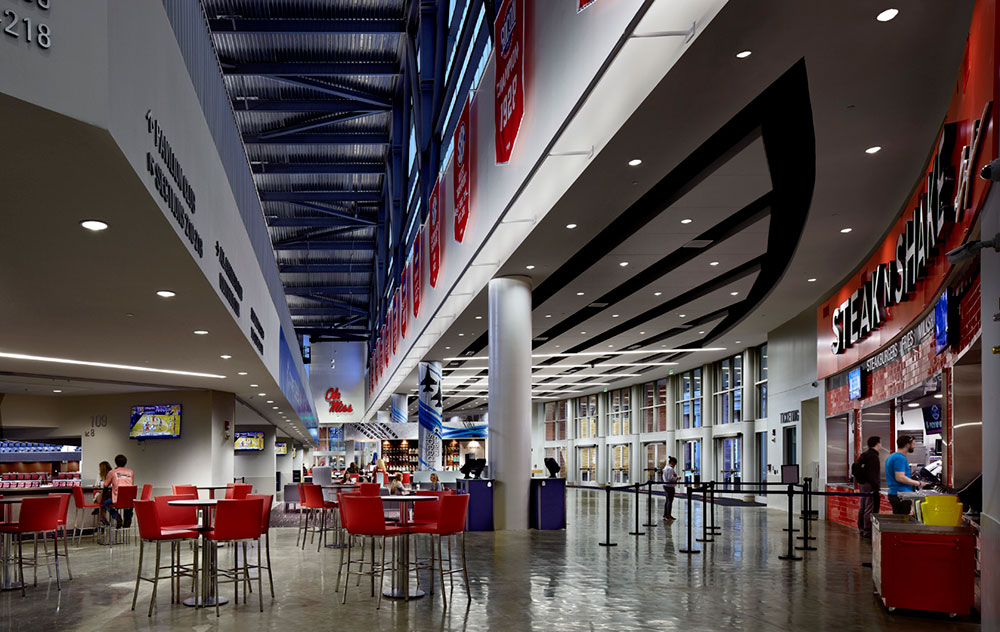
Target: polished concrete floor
[{"x": 526, "y": 580}]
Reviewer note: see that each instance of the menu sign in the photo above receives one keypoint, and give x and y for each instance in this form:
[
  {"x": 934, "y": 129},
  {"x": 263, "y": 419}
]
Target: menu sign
[{"x": 508, "y": 50}]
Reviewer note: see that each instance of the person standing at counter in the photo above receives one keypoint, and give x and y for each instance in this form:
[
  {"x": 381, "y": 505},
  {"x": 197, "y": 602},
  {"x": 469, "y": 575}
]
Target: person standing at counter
[
  {"x": 869, "y": 477},
  {"x": 670, "y": 488},
  {"x": 897, "y": 475}
]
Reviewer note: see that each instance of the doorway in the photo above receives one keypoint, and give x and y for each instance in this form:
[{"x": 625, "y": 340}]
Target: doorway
[{"x": 729, "y": 456}]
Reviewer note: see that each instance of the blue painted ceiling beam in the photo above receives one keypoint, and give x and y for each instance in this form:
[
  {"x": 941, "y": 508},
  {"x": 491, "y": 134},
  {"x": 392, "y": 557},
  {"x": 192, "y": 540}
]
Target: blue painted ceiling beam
[
  {"x": 326, "y": 168},
  {"x": 360, "y": 138},
  {"x": 315, "y": 123},
  {"x": 319, "y": 196},
  {"x": 305, "y": 105},
  {"x": 319, "y": 246},
  {"x": 326, "y": 289},
  {"x": 313, "y": 69},
  {"x": 319, "y": 222},
  {"x": 335, "y": 213},
  {"x": 268, "y": 26},
  {"x": 325, "y": 268},
  {"x": 335, "y": 91}
]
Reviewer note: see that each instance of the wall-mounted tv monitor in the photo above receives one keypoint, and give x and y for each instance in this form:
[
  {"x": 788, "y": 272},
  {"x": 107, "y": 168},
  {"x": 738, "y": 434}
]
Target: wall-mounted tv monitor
[
  {"x": 941, "y": 329},
  {"x": 162, "y": 421},
  {"x": 933, "y": 419},
  {"x": 249, "y": 442},
  {"x": 281, "y": 448},
  {"x": 855, "y": 384}
]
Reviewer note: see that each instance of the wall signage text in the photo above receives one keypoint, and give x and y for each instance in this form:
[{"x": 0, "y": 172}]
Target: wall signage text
[{"x": 161, "y": 182}]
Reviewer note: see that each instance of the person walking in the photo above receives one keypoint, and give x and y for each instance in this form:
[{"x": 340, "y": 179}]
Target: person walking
[
  {"x": 897, "y": 475},
  {"x": 670, "y": 488},
  {"x": 868, "y": 476}
]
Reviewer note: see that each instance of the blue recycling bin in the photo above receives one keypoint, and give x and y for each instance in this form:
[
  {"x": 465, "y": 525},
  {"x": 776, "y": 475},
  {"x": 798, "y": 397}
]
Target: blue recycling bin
[
  {"x": 547, "y": 509},
  {"x": 480, "y": 491}
]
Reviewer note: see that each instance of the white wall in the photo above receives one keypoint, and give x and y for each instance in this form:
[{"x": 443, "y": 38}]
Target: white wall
[
  {"x": 284, "y": 463},
  {"x": 339, "y": 365},
  {"x": 257, "y": 468}
]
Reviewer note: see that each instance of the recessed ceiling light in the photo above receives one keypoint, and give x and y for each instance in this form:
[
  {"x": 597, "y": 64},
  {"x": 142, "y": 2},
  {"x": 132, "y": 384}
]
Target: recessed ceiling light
[
  {"x": 938, "y": 396},
  {"x": 201, "y": 332},
  {"x": 614, "y": 315},
  {"x": 270, "y": 401},
  {"x": 733, "y": 293},
  {"x": 873, "y": 150},
  {"x": 743, "y": 54},
  {"x": 242, "y": 373},
  {"x": 913, "y": 405},
  {"x": 846, "y": 230},
  {"x": 571, "y": 226},
  {"x": 887, "y": 15},
  {"x": 682, "y": 315},
  {"x": 635, "y": 162},
  {"x": 262, "y": 394},
  {"x": 166, "y": 293},
  {"x": 583, "y": 333},
  {"x": 700, "y": 333},
  {"x": 225, "y": 356},
  {"x": 686, "y": 220},
  {"x": 56, "y": 390},
  {"x": 657, "y": 293},
  {"x": 548, "y": 315},
  {"x": 479, "y": 317},
  {"x": 623, "y": 263},
  {"x": 610, "y": 346},
  {"x": 810, "y": 280},
  {"x": 448, "y": 348},
  {"x": 253, "y": 386},
  {"x": 738, "y": 341},
  {"x": 579, "y": 293},
  {"x": 529, "y": 267},
  {"x": 460, "y": 335},
  {"x": 642, "y": 333},
  {"x": 274, "y": 407},
  {"x": 93, "y": 224}
]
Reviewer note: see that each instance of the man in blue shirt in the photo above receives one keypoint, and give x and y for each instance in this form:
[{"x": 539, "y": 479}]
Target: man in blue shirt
[{"x": 897, "y": 475}]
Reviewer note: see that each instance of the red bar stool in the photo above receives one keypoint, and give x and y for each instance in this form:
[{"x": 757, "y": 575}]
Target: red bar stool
[
  {"x": 185, "y": 489},
  {"x": 63, "y": 510},
  {"x": 302, "y": 505},
  {"x": 315, "y": 502},
  {"x": 81, "y": 506},
  {"x": 370, "y": 489},
  {"x": 38, "y": 515},
  {"x": 364, "y": 516},
  {"x": 147, "y": 492},
  {"x": 176, "y": 518},
  {"x": 126, "y": 500},
  {"x": 238, "y": 491},
  {"x": 451, "y": 522},
  {"x": 152, "y": 530},
  {"x": 238, "y": 522},
  {"x": 265, "y": 529}
]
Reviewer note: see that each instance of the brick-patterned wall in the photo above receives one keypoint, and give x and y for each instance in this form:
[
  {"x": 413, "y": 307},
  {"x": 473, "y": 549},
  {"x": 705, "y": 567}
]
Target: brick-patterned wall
[
  {"x": 968, "y": 311},
  {"x": 844, "y": 509}
]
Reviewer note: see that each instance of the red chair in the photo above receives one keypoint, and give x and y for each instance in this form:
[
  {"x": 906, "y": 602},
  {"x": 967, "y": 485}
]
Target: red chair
[
  {"x": 319, "y": 508},
  {"x": 370, "y": 489},
  {"x": 406, "y": 478},
  {"x": 63, "y": 510},
  {"x": 302, "y": 505},
  {"x": 355, "y": 477},
  {"x": 152, "y": 530},
  {"x": 185, "y": 489},
  {"x": 81, "y": 506},
  {"x": 238, "y": 491},
  {"x": 237, "y": 521},
  {"x": 38, "y": 515},
  {"x": 451, "y": 522},
  {"x": 125, "y": 504},
  {"x": 176, "y": 518},
  {"x": 364, "y": 516},
  {"x": 265, "y": 529},
  {"x": 147, "y": 492}
]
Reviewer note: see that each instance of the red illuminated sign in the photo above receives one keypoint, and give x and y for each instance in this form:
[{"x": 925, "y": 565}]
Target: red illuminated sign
[
  {"x": 336, "y": 405},
  {"x": 508, "y": 50}
]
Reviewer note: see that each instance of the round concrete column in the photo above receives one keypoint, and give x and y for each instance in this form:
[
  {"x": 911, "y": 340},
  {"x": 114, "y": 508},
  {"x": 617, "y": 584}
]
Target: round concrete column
[
  {"x": 398, "y": 408},
  {"x": 429, "y": 410},
  {"x": 510, "y": 399}
]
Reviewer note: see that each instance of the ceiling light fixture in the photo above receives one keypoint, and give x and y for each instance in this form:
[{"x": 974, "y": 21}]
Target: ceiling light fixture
[
  {"x": 733, "y": 293},
  {"x": 623, "y": 264},
  {"x": 262, "y": 394},
  {"x": 166, "y": 293},
  {"x": 713, "y": 263},
  {"x": 614, "y": 315},
  {"x": 571, "y": 226},
  {"x": 225, "y": 356},
  {"x": 635, "y": 162},
  {"x": 938, "y": 395},
  {"x": 686, "y": 220},
  {"x": 743, "y": 54},
  {"x": 479, "y": 317},
  {"x": 106, "y": 365},
  {"x": 913, "y": 405},
  {"x": 846, "y": 230},
  {"x": 810, "y": 280},
  {"x": 873, "y": 150},
  {"x": 253, "y": 386},
  {"x": 579, "y": 293},
  {"x": 270, "y": 401},
  {"x": 56, "y": 390},
  {"x": 460, "y": 335},
  {"x": 701, "y": 333},
  {"x": 242, "y": 373},
  {"x": 657, "y": 293},
  {"x": 201, "y": 332},
  {"x": 529, "y": 267},
  {"x": 682, "y": 315},
  {"x": 94, "y": 225},
  {"x": 887, "y": 15},
  {"x": 548, "y": 315}
]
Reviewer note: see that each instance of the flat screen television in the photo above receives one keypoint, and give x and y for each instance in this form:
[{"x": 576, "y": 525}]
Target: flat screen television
[
  {"x": 281, "y": 448},
  {"x": 161, "y": 421},
  {"x": 941, "y": 329},
  {"x": 933, "y": 420},
  {"x": 249, "y": 442},
  {"x": 855, "y": 384}
]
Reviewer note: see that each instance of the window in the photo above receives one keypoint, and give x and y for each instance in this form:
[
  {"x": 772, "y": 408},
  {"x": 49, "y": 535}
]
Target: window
[
  {"x": 559, "y": 454},
  {"x": 729, "y": 397},
  {"x": 586, "y": 415},
  {"x": 656, "y": 458},
  {"x": 587, "y": 458},
  {"x": 619, "y": 464},
  {"x": 619, "y": 411},
  {"x": 689, "y": 400},
  {"x": 761, "y": 456},
  {"x": 555, "y": 420},
  {"x": 761, "y": 382},
  {"x": 692, "y": 459},
  {"x": 790, "y": 451},
  {"x": 654, "y": 406}
]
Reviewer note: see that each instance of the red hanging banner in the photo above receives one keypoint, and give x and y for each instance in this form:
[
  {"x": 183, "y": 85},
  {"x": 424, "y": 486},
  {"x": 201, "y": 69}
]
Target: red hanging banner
[
  {"x": 584, "y": 4},
  {"x": 404, "y": 309},
  {"x": 463, "y": 172},
  {"x": 434, "y": 233},
  {"x": 416, "y": 273},
  {"x": 508, "y": 50}
]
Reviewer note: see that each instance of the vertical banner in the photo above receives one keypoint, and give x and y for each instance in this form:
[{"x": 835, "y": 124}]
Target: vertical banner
[
  {"x": 394, "y": 321},
  {"x": 584, "y": 4},
  {"x": 404, "y": 294},
  {"x": 434, "y": 233},
  {"x": 398, "y": 405},
  {"x": 416, "y": 273},
  {"x": 463, "y": 172},
  {"x": 508, "y": 100},
  {"x": 429, "y": 413}
]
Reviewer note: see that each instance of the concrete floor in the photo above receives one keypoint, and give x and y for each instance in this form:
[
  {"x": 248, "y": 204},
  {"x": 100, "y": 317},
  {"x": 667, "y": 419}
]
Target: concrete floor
[{"x": 526, "y": 580}]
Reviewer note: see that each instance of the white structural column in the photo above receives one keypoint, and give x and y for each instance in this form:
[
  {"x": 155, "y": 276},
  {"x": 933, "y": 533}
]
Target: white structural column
[
  {"x": 429, "y": 411},
  {"x": 398, "y": 408},
  {"x": 510, "y": 399}
]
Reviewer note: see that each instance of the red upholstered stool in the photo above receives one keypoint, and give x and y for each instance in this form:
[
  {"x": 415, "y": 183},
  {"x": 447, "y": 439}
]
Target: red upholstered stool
[
  {"x": 364, "y": 516},
  {"x": 238, "y": 522},
  {"x": 38, "y": 515},
  {"x": 81, "y": 506},
  {"x": 451, "y": 522},
  {"x": 152, "y": 530}
]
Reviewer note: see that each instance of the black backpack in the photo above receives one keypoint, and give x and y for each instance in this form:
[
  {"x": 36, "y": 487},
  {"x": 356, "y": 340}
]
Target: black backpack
[{"x": 858, "y": 470}]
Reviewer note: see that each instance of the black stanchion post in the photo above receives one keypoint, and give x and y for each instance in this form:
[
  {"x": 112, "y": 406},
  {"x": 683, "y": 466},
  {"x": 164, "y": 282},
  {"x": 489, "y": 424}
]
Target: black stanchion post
[
  {"x": 806, "y": 519},
  {"x": 790, "y": 556},
  {"x": 705, "y": 535},
  {"x": 690, "y": 550},
  {"x": 637, "y": 532},
  {"x": 649, "y": 504},
  {"x": 607, "y": 518},
  {"x": 716, "y": 530}
]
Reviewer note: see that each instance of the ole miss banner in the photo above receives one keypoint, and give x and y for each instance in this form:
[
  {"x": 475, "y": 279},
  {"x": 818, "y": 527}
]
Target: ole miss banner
[
  {"x": 416, "y": 278},
  {"x": 584, "y": 4},
  {"x": 404, "y": 309},
  {"x": 463, "y": 183},
  {"x": 509, "y": 96},
  {"x": 434, "y": 233}
]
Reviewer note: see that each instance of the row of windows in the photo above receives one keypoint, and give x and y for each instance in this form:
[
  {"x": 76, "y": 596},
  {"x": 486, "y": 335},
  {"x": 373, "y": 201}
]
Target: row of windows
[{"x": 653, "y": 403}]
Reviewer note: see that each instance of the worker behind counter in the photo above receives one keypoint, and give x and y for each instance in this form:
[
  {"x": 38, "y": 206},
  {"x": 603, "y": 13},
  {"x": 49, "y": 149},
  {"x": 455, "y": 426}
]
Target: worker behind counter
[{"x": 897, "y": 475}]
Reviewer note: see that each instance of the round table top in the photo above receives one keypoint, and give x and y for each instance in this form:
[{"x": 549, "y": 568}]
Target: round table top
[
  {"x": 203, "y": 502},
  {"x": 340, "y": 486},
  {"x": 408, "y": 498},
  {"x": 10, "y": 501}
]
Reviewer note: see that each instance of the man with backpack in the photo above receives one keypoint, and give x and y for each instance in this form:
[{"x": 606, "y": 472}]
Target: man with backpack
[{"x": 866, "y": 472}]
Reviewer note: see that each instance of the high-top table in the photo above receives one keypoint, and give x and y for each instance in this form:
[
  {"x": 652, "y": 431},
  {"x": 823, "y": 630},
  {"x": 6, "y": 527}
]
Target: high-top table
[
  {"x": 7, "y": 547},
  {"x": 208, "y": 596},
  {"x": 402, "y": 575}
]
